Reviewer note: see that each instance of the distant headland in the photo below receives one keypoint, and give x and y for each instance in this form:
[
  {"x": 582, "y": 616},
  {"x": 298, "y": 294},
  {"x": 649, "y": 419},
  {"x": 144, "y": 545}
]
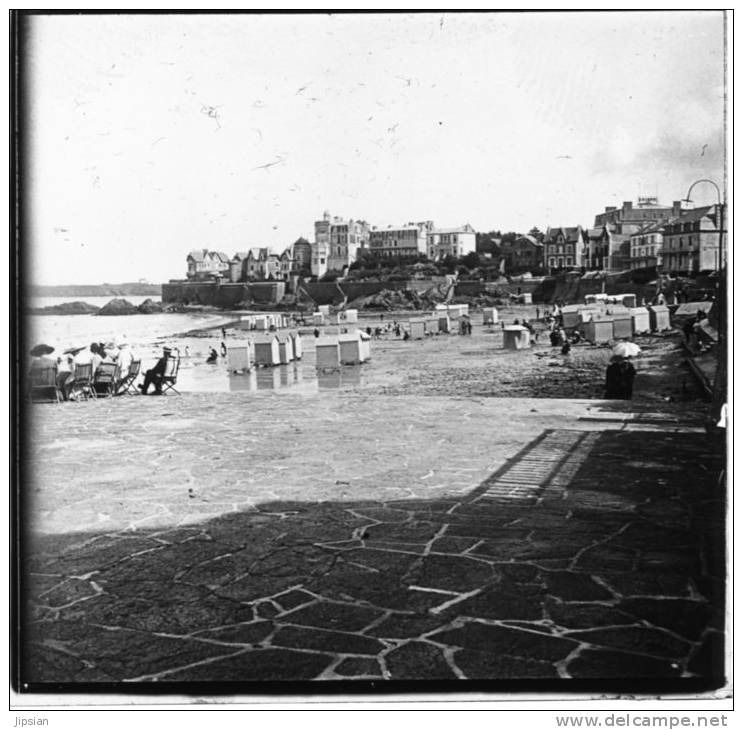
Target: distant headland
[{"x": 130, "y": 289}]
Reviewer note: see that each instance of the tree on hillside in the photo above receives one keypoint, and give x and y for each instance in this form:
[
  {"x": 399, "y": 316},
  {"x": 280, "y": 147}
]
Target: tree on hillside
[
  {"x": 487, "y": 242},
  {"x": 447, "y": 265},
  {"x": 509, "y": 237},
  {"x": 331, "y": 275},
  {"x": 471, "y": 260},
  {"x": 536, "y": 233}
]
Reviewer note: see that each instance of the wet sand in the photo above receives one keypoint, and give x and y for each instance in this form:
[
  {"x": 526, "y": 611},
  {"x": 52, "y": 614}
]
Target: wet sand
[{"x": 456, "y": 365}]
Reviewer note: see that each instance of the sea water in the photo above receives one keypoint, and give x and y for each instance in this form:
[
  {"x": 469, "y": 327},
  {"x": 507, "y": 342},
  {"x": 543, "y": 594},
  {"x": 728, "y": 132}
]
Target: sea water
[{"x": 148, "y": 333}]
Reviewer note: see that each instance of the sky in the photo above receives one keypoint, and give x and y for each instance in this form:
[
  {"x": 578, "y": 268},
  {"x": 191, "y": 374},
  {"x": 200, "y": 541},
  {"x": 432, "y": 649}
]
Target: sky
[{"x": 152, "y": 135}]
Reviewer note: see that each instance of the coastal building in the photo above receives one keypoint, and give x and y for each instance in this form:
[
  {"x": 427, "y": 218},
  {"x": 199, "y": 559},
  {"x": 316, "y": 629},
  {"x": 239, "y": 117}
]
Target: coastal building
[
  {"x": 619, "y": 234},
  {"x": 253, "y": 263},
  {"x": 287, "y": 264},
  {"x": 563, "y": 248},
  {"x": 236, "y": 266},
  {"x": 525, "y": 253},
  {"x": 203, "y": 263},
  {"x": 691, "y": 242},
  {"x": 606, "y": 249},
  {"x": 646, "y": 246},
  {"x": 407, "y": 240},
  {"x": 301, "y": 252},
  {"x": 456, "y": 242},
  {"x": 630, "y": 218},
  {"x": 337, "y": 244}
]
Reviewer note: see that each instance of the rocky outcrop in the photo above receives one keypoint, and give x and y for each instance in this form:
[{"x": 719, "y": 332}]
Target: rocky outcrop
[
  {"x": 150, "y": 307},
  {"x": 118, "y": 307},
  {"x": 66, "y": 308}
]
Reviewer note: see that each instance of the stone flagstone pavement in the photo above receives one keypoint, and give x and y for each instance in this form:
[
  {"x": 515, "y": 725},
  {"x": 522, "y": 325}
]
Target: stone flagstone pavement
[{"x": 517, "y": 539}]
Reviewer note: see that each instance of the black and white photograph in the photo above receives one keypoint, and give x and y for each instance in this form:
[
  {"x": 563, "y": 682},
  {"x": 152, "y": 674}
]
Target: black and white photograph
[{"x": 378, "y": 354}]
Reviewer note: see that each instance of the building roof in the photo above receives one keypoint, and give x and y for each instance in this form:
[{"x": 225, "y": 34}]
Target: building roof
[
  {"x": 695, "y": 214},
  {"x": 221, "y": 255},
  {"x": 197, "y": 255},
  {"x": 572, "y": 234},
  {"x": 258, "y": 252},
  {"x": 654, "y": 227},
  {"x": 301, "y": 240},
  {"x": 240, "y": 255},
  {"x": 466, "y": 228},
  {"x": 406, "y": 227},
  {"x": 529, "y": 238},
  {"x": 593, "y": 233}
]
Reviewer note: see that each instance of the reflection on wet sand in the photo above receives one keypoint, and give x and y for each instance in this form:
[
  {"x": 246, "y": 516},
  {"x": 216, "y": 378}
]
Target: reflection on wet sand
[
  {"x": 346, "y": 376},
  {"x": 293, "y": 377}
]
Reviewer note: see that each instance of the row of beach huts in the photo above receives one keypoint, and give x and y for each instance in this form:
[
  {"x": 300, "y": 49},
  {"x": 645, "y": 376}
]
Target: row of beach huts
[
  {"x": 605, "y": 318},
  {"x": 282, "y": 348}
]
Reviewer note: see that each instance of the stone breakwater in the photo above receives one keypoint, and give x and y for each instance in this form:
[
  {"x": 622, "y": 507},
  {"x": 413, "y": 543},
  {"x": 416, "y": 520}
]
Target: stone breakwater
[{"x": 237, "y": 538}]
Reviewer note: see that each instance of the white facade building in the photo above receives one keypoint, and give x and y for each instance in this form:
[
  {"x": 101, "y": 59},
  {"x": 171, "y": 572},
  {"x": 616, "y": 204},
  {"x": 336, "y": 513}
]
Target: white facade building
[
  {"x": 407, "y": 240},
  {"x": 454, "y": 242},
  {"x": 337, "y": 244}
]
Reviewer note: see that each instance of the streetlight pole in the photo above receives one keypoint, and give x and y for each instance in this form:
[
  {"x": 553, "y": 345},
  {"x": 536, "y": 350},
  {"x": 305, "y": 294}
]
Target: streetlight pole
[
  {"x": 719, "y": 388},
  {"x": 721, "y": 208}
]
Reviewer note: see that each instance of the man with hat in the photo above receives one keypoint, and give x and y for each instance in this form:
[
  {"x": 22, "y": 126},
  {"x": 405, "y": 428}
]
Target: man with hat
[{"x": 155, "y": 375}]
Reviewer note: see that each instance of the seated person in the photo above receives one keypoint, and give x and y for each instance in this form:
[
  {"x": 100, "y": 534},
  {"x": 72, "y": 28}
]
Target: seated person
[
  {"x": 40, "y": 359},
  {"x": 110, "y": 352},
  {"x": 124, "y": 360},
  {"x": 95, "y": 356},
  {"x": 155, "y": 374},
  {"x": 65, "y": 378}
]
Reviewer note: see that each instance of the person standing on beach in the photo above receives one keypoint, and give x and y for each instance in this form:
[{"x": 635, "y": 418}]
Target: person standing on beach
[
  {"x": 224, "y": 333},
  {"x": 620, "y": 378}
]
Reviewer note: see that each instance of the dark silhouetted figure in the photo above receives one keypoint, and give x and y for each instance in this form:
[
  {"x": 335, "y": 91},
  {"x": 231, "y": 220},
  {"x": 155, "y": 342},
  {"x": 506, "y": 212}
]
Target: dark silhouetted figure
[
  {"x": 620, "y": 378},
  {"x": 155, "y": 375}
]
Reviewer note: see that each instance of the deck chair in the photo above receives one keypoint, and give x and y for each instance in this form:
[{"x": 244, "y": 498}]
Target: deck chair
[
  {"x": 126, "y": 386},
  {"x": 106, "y": 378},
  {"x": 43, "y": 385},
  {"x": 172, "y": 364},
  {"x": 82, "y": 383}
]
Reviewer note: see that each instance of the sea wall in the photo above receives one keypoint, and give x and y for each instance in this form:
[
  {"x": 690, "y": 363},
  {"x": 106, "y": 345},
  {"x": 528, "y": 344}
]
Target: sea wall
[
  {"x": 330, "y": 292},
  {"x": 210, "y": 293}
]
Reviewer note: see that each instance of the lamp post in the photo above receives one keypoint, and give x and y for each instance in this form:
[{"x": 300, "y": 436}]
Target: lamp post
[
  {"x": 719, "y": 390},
  {"x": 721, "y": 208}
]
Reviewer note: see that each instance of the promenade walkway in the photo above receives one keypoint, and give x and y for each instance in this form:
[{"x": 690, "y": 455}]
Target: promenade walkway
[{"x": 245, "y": 537}]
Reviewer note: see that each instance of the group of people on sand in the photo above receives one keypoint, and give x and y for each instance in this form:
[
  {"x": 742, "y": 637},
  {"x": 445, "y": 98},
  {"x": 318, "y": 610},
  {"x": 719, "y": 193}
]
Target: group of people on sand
[
  {"x": 118, "y": 353},
  {"x": 95, "y": 354}
]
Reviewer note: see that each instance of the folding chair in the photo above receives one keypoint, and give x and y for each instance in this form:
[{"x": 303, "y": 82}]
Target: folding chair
[
  {"x": 82, "y": 383},
  {"x": 126, "y": 386},
  {"x": 172, "y": 363},
  {"x": 106, "y": 378},
  {"x": 43, "y": 385}
]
